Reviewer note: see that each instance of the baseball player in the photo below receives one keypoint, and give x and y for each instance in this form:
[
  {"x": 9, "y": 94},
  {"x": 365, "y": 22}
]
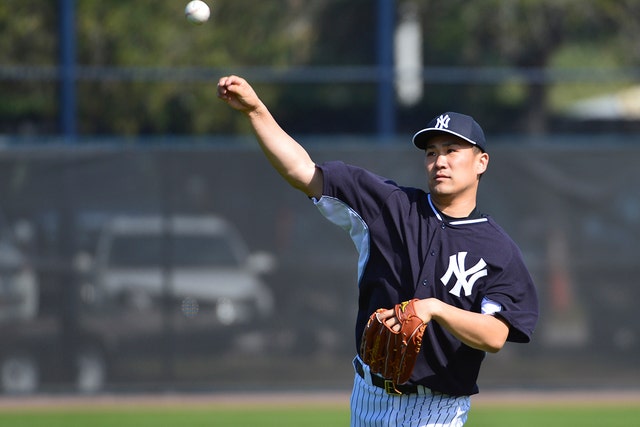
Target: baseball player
[{"x": 467, "y": 277}]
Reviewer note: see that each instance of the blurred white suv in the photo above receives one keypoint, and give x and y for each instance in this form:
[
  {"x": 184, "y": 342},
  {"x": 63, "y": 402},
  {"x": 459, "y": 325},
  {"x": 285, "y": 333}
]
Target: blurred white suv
[{"x": 198, "y": 261}]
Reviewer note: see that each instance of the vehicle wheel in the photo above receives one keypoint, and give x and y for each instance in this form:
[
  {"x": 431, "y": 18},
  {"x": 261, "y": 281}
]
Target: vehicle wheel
[
  {"x": 91, "y": 371},
  {"x": 19, "y": 374}
]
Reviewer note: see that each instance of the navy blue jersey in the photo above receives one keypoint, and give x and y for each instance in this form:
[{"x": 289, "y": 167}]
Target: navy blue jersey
[{"x": 408, "y": 249}]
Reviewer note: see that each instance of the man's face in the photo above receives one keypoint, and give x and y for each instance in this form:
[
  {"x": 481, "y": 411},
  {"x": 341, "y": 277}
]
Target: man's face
[{"x": 453, "y": 166}]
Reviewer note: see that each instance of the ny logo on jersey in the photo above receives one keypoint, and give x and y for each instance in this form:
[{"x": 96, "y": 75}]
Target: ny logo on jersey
[
  {"x": 465, "y": 278},
  {"x": 443, "y": 122}
]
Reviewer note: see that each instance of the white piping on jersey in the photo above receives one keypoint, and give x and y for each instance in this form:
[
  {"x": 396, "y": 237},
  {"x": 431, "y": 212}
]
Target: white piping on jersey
[
  {"x": 346, "y": 218},
  {"x": 433, "y": 208},
  {"x": 457, "y": 222}
]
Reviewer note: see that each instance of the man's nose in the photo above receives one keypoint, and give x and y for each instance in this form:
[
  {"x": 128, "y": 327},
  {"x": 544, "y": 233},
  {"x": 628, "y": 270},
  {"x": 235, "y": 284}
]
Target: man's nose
[{"x": 441, "y": 160}]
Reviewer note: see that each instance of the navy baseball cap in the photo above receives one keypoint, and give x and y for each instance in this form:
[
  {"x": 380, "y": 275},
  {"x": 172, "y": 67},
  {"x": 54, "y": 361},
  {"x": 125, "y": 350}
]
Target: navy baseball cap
[{"x": 456, "y": 124}]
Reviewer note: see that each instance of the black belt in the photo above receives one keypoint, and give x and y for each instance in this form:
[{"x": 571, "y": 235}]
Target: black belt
[{"x": 386, "y": 385}]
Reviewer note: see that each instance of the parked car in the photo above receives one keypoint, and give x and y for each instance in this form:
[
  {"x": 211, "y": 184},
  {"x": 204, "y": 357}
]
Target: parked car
[
  {"x": 198, "y": 261},
  {"x": 153, "y": 302}
]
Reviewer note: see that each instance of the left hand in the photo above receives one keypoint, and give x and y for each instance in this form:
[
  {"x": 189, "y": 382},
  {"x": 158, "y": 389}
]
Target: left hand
[{"x": 423, "y": 309}]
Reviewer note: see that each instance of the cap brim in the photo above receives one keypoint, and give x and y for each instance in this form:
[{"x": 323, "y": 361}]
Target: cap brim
[{"x": 422, "y": 136}]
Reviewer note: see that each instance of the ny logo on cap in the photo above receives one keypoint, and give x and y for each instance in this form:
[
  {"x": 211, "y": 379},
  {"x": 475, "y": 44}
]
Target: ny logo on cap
[{"x": 443, "y": 122}]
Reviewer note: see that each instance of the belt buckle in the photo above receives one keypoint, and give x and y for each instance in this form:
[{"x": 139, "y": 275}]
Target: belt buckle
[{"x": 390, "y": 388}]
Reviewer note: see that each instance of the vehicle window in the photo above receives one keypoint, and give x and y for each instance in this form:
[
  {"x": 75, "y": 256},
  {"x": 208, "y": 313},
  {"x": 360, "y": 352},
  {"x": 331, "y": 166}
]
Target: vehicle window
[
  {"x": 208, "y": 251},
  {"x": 187, "y": 251}
]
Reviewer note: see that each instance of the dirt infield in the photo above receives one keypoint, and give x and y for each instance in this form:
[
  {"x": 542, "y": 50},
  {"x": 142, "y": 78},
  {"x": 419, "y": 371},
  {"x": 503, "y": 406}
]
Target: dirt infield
[{"x": 515, "y": 397}]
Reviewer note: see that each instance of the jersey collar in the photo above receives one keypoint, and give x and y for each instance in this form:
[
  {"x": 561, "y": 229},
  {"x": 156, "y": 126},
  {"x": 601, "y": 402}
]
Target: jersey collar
[{"x": 473, "y": 218}]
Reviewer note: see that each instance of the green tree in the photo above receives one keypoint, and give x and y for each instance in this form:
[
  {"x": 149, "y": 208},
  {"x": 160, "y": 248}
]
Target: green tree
[
  {"x": 29, "y": 39},
  {"x": 146, "y": 70},
  {"x": 154, "y": 34},
  {"x": 530, "y": 34}
]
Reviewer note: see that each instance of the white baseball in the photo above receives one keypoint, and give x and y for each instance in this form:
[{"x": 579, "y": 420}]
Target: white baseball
[{"x": 197, "y": 12}]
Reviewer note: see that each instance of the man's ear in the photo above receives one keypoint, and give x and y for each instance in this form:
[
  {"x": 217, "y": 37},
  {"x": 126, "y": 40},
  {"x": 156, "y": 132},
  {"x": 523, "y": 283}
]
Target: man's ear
[{"x": 483, "y": 162}]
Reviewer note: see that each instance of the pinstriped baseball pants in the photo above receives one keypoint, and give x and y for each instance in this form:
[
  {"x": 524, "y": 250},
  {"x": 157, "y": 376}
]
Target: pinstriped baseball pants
[{"x": 371, "y": 406}]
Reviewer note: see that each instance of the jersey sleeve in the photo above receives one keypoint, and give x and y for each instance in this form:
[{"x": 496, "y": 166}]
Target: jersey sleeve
[
  {"x": 364, "y": 192},
  {"x": 515, "y": 292}
]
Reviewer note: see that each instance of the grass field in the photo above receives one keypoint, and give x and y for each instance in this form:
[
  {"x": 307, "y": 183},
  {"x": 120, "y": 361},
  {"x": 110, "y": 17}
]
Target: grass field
[
  {"x": 545, "y": 416},
  {"x": 606, "y": 413}
]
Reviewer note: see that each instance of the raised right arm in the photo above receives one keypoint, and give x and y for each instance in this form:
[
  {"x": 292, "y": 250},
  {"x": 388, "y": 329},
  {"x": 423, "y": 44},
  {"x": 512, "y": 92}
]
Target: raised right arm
[{"x": 284, "y": 153}]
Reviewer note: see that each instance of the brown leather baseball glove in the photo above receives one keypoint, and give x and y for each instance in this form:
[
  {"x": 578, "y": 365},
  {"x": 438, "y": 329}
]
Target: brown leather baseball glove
[{"x": 392, "y": 354}]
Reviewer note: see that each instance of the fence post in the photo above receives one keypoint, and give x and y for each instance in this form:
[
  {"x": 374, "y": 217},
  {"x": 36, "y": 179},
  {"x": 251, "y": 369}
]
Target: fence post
[
  {"x": 384, "y": 52},
  {"x": 67, "y": 70}
]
